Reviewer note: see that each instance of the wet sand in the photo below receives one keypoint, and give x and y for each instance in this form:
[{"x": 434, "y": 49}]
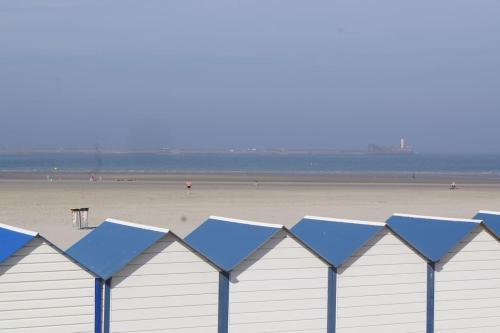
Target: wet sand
[{"x": 34, "y": 203}]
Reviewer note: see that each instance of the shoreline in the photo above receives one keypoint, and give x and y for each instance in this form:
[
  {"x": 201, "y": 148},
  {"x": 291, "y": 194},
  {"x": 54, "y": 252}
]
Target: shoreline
[{"x": 259, "y": 177}]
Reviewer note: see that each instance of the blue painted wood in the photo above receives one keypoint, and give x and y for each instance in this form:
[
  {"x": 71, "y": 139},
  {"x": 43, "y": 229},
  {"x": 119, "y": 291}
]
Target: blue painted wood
[
  {"x": 433, "y": 237},
  {"x": 430, "y": 296},
  {"x": 332, "y": 300},
  {"x": 11, "y": 241},
  {"x": 111, "y": 246},
  {"x": 226, "y": 243},
  {"x": 223, "y": 302},
  {"x": 107, "y": 305},
  {"x": 98, "y": 306},
  {"x": 491, "y": 220},
  {"x": 334, "y": 241}
]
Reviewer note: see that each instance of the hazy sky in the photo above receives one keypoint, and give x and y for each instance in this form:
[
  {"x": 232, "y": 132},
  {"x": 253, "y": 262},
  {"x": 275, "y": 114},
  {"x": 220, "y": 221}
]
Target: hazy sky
[{"x": 260, "y": 73}]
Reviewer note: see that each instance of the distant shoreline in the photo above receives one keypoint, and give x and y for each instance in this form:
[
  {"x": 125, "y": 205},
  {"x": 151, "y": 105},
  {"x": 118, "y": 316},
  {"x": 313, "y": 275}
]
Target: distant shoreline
[
  {"x": 258, "y": 176},
  {"x": 270, "y": 151},
  {"x": 232, "y": 151}
]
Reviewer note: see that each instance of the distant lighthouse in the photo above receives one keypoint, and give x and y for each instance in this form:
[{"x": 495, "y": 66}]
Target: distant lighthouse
[{"x": 403, "y": 146}]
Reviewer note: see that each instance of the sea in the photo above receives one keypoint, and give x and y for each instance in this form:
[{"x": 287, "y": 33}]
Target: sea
[{"x": 470, "y": 165}]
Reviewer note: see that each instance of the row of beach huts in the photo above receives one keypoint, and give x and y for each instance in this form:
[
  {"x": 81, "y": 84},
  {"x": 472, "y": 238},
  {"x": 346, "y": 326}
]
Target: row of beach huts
[{"x": 409, "y": 274}]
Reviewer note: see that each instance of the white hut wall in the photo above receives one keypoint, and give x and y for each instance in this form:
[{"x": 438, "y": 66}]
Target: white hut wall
[
  {"x": 467, "y": 287},
  {"x": 167, "y": 288},
  {"x": 42, "y": 291},
  {"x": 382, "y": 288},
  {"x": 282, "y": 287}
]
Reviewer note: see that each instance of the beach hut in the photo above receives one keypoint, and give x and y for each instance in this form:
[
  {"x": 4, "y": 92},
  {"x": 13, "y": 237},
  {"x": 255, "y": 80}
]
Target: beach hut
[
  {"x": 154, "y": 282},
  {"x": 41, "y": 289},
  {"x": 377, "y": 282},
  {"x": 270, "y": 281},
  {"x": 463, "y": 271}
]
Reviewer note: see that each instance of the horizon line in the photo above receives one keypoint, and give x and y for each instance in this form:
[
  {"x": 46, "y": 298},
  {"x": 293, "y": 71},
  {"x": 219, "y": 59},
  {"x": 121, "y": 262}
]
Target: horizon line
[{"x": 235, "y": 150}]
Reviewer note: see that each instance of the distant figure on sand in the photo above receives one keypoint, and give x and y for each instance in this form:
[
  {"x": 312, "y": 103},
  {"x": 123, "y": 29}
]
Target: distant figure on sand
[
  {"x": 189, "y": 184},
  {"x": 453, "y": 186}
]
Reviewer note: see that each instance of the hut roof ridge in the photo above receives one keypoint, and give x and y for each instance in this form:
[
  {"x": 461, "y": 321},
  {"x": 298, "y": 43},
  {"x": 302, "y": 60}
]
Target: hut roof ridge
[
  {"x": 491, "y": 221},
  {"x": 13, "y": 239},
  {"x": 112, "y": 245},
  {"x": 228, "y": 242},
  {"x": 335, "y": 240},
  {"x": 432, "y": 236}
]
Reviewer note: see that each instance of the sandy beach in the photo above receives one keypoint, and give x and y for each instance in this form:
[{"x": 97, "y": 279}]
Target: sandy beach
[{"x": 162, "y": 200}]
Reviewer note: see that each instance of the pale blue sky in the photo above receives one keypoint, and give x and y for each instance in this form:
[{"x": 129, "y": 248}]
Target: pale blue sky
[{"x": 262, "y": 73}]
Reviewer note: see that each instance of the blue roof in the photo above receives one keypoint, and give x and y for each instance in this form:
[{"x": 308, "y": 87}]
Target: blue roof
[
  {"x": 13, "y": 239},
  {"x": 228, "y": 242},
  {"x": 112, "y": 245},
  {"x": 335, "y": 240},
  {"x": 491, "y": 220},
  {"x": 433, "y": 237}
]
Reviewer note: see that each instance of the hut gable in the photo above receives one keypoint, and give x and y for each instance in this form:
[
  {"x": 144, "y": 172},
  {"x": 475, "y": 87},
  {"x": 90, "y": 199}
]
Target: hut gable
[
  {"x": 42, "y": 290},
  {"x": 153, "y": 279},
  {"x": 13, "y": 239},
  {"x": 167, "y": 287},
  {"x": 335, "y": 240},
  {"x": 228, "y": 242},
  {"x": 272, "y": 282},
  {"x": 380, "y": 281},
  {"x": 433, "y": 237},
  {"x": 465, "y": 259},
  {"x": 112, "y": 245},
  {"x": 468, "y": 285},
  {"x": 491, "y": 221},
  {"x": 281, "y": 287},
  {"x": 382, "y": 288}
]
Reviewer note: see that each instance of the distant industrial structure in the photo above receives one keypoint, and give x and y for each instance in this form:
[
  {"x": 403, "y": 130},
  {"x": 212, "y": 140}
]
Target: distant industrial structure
[{"x": 403, "y": 148}]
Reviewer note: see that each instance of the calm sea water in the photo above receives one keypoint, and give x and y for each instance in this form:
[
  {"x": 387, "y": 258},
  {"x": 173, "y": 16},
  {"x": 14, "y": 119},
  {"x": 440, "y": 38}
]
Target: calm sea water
[{"x": 150, "y": 162}]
